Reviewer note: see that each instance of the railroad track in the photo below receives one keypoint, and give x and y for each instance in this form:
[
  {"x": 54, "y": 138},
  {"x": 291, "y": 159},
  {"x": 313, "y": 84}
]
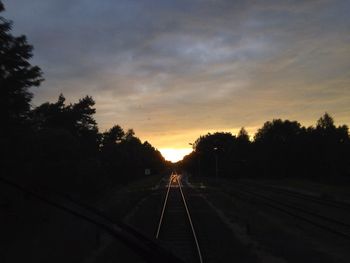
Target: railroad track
[
  {"x": 281, "y": 203},
  {"x": 306, "y": 197},
  {"x": 141, "y": 245},
  {"x": 175, "y": 229}
]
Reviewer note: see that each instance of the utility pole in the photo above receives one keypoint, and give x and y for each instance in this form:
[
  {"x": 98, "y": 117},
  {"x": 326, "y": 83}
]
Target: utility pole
[
  {"x": 216, "y": 163},
  {"x": 199, "y": 165}
]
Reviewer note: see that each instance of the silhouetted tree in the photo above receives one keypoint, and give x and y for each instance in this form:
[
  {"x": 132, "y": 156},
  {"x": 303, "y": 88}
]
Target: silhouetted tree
[
  {"x": 113, "y": 135},
  {"x": 329, "y": 147},
  {"x": 211, "y": 148},
  {"x": 244, "y": 152},
  {"x": 66, "y": 141},
  {"x": 57, "y": 145},
  {"x": 326, "y": 122},
  {"x": 243, "y": 135},
  {"x": 278, "y": 131},
  {"x": 129, "y": 135},
  {"x": 277, "y": 147},
  {"x": 125, "y": 157},
  {"x": 280, "y": 148},
  {"x": 76, "y": 118},
  {"x": 17, "y": 75}
]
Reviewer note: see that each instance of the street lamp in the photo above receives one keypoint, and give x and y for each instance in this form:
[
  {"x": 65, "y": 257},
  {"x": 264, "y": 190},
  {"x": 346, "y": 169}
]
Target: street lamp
[{"x": 216, "y": 162}]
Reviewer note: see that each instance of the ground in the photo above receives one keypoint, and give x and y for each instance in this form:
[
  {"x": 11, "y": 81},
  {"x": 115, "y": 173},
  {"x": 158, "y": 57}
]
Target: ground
[{"x": 230, "y": 227}]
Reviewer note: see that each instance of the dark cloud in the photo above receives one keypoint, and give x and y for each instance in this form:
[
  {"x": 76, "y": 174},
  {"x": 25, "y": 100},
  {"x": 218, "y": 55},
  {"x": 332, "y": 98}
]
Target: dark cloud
[{"x": 184, "y": 67}]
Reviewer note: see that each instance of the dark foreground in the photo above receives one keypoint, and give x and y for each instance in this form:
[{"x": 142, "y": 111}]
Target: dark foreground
[{"x": 234, "y": 222}]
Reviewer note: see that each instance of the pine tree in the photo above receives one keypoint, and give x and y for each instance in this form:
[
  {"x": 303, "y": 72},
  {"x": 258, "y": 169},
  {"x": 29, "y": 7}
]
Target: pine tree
[{"x": 17, "y": 75}]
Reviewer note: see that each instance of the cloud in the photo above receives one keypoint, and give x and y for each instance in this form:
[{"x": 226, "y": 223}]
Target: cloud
[{"x": 189, "y": 66}]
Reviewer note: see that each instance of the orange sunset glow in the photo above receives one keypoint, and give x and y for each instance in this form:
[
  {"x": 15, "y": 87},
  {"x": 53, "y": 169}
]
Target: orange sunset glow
[{"x": 213, "y": 67}]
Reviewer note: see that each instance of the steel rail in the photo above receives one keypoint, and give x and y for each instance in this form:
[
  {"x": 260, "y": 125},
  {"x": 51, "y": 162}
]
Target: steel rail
[
  {"x": 163, "y": 210},
  {"x": 191, "y": 224},
  {"x": 311, "y": 198},
  {"x": 301, "y": 209},
  {"x": 140, "y": 244},
  {"x": 266, "y": 191},
  {"x": 281, "y": 207}
]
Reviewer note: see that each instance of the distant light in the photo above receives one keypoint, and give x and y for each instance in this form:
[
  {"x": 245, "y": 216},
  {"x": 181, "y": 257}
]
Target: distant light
[{"x": 174, "y": 155}]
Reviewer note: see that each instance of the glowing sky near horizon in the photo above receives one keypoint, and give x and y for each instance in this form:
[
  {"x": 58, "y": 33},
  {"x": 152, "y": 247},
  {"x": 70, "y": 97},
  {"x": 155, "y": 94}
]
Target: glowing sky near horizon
[
  {"x": 174, "y": 70},
  {"x": 174, "y": 155}
]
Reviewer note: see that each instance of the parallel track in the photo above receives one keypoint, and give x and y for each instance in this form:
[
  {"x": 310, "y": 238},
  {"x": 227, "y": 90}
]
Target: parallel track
[
  {"x": 325, "y": 222},
  {"x": 306, "y": 197}
]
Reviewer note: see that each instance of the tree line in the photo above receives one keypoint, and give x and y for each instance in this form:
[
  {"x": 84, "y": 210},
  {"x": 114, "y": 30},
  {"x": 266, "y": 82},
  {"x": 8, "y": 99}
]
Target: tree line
[
  {"x": 281, "y": 148},
  {"x": 58, "y": 145}
]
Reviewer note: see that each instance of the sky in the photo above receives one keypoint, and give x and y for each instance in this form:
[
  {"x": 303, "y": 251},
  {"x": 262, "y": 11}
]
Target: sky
[{"x": 176, "y": 69}]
